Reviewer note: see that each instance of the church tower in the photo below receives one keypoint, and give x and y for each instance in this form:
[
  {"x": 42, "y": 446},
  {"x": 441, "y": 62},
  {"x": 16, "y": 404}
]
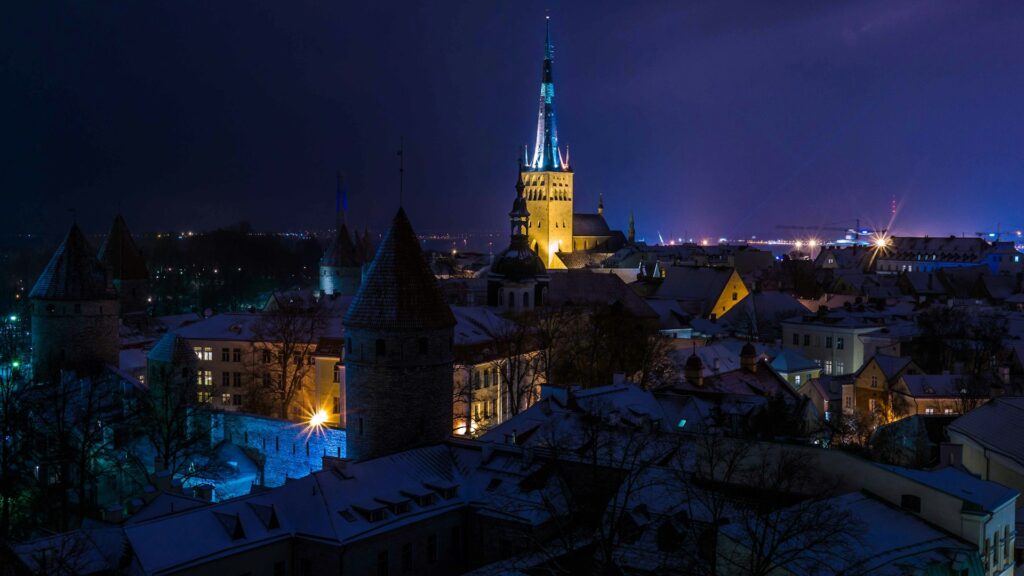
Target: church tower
[
  {"x": 548, "y": 178},
  {"x": 518, "y": 280},
  {"x": 74, "y": 312},
  {"x": 398, "y": 352}
]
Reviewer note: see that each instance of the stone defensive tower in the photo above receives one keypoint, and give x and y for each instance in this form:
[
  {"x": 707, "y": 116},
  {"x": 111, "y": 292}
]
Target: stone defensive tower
[
  {"x": 398, "y": 352},
  {"x": 74, "y": 312},
  {"x": 127, "y": 268},
  {"x": 340, "y": 267}
]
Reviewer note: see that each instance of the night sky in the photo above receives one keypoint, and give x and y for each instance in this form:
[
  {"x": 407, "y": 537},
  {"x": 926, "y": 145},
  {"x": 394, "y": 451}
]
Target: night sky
[{"x": 705, "y": 118}]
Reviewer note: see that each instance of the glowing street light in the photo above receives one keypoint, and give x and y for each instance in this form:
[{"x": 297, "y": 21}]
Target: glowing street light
[{"x": 318, "y": 419}]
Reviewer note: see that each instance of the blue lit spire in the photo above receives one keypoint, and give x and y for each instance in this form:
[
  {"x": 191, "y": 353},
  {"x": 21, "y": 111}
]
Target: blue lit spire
[{"x": 545, "y": 152}]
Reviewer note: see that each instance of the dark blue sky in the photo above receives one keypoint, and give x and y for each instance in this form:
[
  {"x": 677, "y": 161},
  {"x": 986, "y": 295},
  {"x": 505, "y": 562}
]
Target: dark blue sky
[{"x": 706, "y": 118}]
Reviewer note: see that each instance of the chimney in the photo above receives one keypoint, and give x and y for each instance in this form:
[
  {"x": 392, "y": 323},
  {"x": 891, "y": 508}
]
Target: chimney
[
  {"x": 951, "y": 455},
  {"x": 204, "y": 492},
  {"x": 693, "y": 371},
  {"x": 113, "y": 514},
  {"x": 748, "y": 358}
]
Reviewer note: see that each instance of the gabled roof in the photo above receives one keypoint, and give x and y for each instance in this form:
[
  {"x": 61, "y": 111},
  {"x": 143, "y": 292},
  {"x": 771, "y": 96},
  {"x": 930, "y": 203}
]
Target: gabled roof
[
  {"x": 996, "y": 427},
  {"x": 590, "y": 225},
  {"x": 987, "y": 495},
  {"x": 790, "y": 360},
  {"x": 172, "y": 349},
  {"x": 891, "y": 366},
  {"x": 399, "y": 291},
  {"x": 934, "y": 385},
  {"x": 580, "y": 287},
  {"x": 120, "y": 254},
  {"x": 74, "y": 272}
]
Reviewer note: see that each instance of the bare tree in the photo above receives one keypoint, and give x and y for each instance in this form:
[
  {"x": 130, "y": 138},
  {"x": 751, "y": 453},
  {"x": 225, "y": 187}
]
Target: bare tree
[
  {"x": 15, "y": 440},
  {"x": 517, "y": 363},
  {"x": 285, "y": 343}
]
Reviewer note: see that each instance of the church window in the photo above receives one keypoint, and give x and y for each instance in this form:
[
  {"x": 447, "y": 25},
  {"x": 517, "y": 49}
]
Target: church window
[{"x": 381, "y": 347}]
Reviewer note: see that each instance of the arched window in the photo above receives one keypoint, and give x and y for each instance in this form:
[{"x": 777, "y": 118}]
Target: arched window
[{"x": 526, "y": 299}]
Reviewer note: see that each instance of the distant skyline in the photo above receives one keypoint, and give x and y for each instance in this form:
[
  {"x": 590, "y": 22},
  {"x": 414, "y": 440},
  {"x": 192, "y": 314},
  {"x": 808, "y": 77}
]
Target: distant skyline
[{"x": 706, "y": 119}]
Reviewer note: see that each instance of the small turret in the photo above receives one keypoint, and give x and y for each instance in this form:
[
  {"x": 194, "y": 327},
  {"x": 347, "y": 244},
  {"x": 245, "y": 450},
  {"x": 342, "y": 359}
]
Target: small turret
[{"x": 518, "y": 278}]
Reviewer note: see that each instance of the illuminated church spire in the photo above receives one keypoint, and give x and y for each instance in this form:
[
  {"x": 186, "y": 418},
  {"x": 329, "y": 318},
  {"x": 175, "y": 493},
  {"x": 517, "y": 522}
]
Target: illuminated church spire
[{"x": 546, "y": 156}]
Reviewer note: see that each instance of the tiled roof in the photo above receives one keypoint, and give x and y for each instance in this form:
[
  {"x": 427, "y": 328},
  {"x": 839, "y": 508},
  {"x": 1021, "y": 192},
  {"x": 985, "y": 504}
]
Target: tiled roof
[
  {"x": 996, "y": 426},
  {"x": 172, "y": 349},
  {"x": 399, "y": 291},
  {"x": 580, "y": 287},
  {"x": 589, "y": 225},
  {"x": 341, "y": 252},
  {"x": 120, "y": 254},
  {"x": 74, "y": 272}
]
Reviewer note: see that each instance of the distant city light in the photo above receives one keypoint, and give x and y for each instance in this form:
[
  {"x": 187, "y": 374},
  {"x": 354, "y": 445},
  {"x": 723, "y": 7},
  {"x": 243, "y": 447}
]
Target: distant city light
[{"x": 13, "y": 318}]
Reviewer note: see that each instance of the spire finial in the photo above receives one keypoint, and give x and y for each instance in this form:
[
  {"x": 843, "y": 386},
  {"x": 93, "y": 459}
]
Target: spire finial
[
  {"x": 401, "y": 171},
  {"x": 545, "y": 153}
]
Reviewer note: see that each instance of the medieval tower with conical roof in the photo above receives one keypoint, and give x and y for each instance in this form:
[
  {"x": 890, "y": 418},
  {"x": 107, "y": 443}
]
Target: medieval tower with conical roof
[
  {"x": 74, "y": 312},
  {"x": 127, "y": 268},
  {"x": 398, "y": 352}
]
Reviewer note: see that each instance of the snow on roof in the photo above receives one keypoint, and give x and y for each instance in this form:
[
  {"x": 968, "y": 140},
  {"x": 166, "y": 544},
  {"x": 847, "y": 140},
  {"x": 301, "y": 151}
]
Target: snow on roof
[
  {"x": 934, "y": 385},
  {"x": 996, "y": 426},
  {"x": 478, "y": 324},
  {"x": 986, "y": 495},
  {"x": 790, "y": 360},
  {"x": 885, "y": 541}
]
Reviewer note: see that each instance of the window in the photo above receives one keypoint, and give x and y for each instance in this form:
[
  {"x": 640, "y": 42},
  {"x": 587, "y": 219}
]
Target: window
[
  {"x": 734, "y": 296},
  {"x": 381, "y": 348},
  {"x": 840, "y": 368},
  {"x": 236, "y": 400},
  {"x": 839, "y": 342},
  {"x": 849, "y": 402},
  {"x": 266, "y": 357},
  {"x": 796, "y": 380},
  {"x": 237, "y": 379},
  {"x": 225, "y": 354},
  {"x": 336, "y": 405},
  {"x": 236, "y": 355},
  {"x": 796, "y": 339},
  {"x": 337, "y": 373},
  {"x": 204, "y": 378},
  {"x": 204, "y": 352},
  {"x": 828, "y": 367},
  {"x": 432, "y": 548},
  {"x": 929, "y": 410},
  {"x": 203, "y": 397},
  {"x": 526, "y": 299},
  {"x": 225, "y": 399},
  {"x": 487, "y": 378},
  {"x": 828, "y": 341},
  {"x": 947, "y": 411},
  {"x": 874, "y": 381},
  {"x": 225, "y": 379},
  {"x": 872, "y": 404},
  {"x": 910, "y": 503},
  {"x": 807, "y": 339}
]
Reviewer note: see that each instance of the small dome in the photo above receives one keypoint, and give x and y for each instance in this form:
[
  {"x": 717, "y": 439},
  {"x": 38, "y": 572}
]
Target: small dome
[{"x": 518, "y": 263}]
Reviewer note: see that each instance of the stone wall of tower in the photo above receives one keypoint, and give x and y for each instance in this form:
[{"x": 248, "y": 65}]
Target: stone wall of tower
[
  {"x": 341, "y": 280},
  {"x": 399, "y": 396},
  {"x": 74, "y": 336},
  {"x": 549, "y": 197},
  {"x": 133, "y": 295}
]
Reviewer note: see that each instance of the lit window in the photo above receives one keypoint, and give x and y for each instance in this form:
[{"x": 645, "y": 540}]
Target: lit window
[
  {"x": 839, "y": 342},
  {"x": 796, "y": 380},
  {"x": 225, "y": 399},
  {"x": 828, "y": 366}
]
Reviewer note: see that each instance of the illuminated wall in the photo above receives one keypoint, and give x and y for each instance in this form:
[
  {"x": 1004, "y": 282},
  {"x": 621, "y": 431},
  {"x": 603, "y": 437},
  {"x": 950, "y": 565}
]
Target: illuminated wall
[{"x": 549, "y": 199}]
